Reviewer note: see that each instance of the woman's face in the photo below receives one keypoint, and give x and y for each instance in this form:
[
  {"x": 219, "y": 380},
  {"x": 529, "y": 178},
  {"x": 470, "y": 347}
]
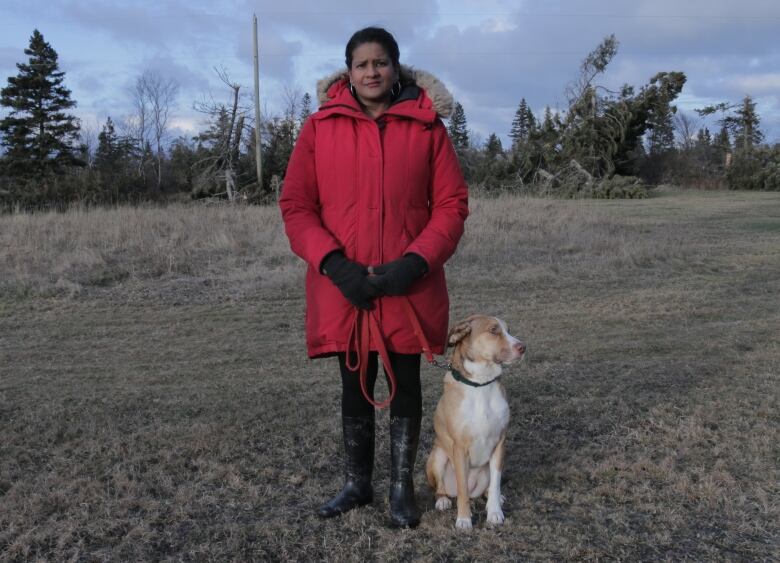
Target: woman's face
[{"x": 372, "y": 73}]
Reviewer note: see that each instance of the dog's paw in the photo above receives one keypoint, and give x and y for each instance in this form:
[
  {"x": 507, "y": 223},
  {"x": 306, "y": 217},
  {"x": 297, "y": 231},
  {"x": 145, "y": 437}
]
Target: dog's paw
[
  {"x": 443, "y": 503},
  {"x": 495, "y": 517},
  {"x": 463, "y": 523}
]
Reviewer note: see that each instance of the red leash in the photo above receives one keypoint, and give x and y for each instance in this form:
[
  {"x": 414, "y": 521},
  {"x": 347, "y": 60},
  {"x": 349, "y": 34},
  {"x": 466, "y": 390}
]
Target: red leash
[{"x": 363, "y": 324}]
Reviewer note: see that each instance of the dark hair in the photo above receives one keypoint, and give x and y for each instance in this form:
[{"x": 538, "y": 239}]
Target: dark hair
[{"x": 374, "y": 35}]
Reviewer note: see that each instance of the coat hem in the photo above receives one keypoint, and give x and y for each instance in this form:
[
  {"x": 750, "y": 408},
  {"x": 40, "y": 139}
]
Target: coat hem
[{"x": 329, "y": 350}]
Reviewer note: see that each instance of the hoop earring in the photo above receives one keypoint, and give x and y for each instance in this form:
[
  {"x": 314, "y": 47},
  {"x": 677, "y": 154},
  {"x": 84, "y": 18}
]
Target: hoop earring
[
  {"x": 352, "y": 89},
  {"x": 392, "y": 90}
]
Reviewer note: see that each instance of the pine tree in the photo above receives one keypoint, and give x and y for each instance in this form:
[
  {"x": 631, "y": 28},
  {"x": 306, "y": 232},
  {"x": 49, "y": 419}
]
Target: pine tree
[
  {"x": 184, "y": 156},
  {"x": 113, "y": 151},
  {"x": 548, "y": 137},
  {"x": 112, "y": 159},
  {"x": 305, "y": 108},
  {"x": 107, "y": 153},
  {"x": 548, "y": 125},
  {"x": 738, "y": 120},
  {"x": 661, "y": 138},
  {"x": 746, "y": 121},
  {"x": 281, "y": 135},
  {"x": 218, "y": 132},
  {"x": 722, "y": 141},
  {"x": 523, "y": 124},
  {"x": 458, "y": 130},
  {"x": 493, "y": 147},
  {"x": 38, "y": 135},
  {"x": 703, "y": 138}
]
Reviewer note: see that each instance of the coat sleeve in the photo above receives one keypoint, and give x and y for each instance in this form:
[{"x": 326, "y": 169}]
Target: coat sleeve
[
  {"x": 448, "y": 201},
  {"x": 300, "y": 203}
]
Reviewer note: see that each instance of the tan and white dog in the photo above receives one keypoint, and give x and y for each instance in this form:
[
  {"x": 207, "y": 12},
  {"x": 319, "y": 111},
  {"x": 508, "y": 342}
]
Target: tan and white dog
[{"x": 472, "y": 417}]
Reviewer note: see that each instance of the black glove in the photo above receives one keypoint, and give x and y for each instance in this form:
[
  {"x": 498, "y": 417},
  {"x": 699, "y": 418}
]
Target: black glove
[
  {"x": 396, "y": 277},
  {"x": 350, "y": 278}
]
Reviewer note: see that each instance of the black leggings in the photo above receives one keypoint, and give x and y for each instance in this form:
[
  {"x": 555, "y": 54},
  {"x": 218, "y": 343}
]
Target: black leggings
[{"x": 408, "y": 395}]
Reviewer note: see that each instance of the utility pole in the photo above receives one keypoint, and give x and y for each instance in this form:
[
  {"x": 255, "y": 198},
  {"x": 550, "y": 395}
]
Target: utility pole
[{"x": 258, "y": 156}]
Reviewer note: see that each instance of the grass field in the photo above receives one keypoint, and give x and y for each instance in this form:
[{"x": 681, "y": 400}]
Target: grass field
[{"x": 156, "y": 402}]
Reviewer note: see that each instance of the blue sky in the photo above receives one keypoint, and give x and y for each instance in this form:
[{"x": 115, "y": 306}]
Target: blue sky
[{"x": 489, "y": 53}]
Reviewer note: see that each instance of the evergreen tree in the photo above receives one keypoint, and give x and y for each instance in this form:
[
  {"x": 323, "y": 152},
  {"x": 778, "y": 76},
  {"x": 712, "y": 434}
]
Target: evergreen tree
[
  {"x": 722, "y": 141},
  {"x": 184, "y": 158},
  {"x": 746, "y": 121},
  {"x": 280, "y": 141},
  {"x": 217, "y": 135},
  {"x": 38, "y": 135},
  {"x": 305, "y": 109},
  {"x": 108, "y": 153},
  {"x": 740, "y": 121},
  {"x": 493, "y": 147},
  {"x": 661, "y": 138},
  {"x": 523, "y": 124},
  {"x": 458, "y": 129},
  {"x": 637, "y": 113},
  {"x": 703, "y": 138},
  {"x": 112, "y": 160},
  {"x": 548, "y": 125}
]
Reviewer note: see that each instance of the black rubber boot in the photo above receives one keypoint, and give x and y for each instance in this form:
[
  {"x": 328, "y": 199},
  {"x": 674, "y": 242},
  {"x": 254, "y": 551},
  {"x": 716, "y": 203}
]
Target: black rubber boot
[
  {"x": 404, "y": 437},
  {"x": 358, "y": 466}
]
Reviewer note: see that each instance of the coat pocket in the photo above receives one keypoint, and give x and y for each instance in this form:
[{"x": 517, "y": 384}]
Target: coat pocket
[{"x": 416, "y": 218}]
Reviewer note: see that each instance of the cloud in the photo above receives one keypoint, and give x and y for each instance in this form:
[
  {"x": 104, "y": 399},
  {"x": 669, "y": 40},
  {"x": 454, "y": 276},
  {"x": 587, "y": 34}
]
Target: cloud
[
  {"x": 277, "y": 54},
  {"x": 185, "y": 125},
  {"x": 536, "y": 51},
  {"x": 490, "y": 53},
  {"x": 757, "y": 84},
  {"x": 333, "y": 23},
  {"x": 151, "y": 23},
  {"x": 186, "y": 77},
  {"x": 91, "y": 84}
]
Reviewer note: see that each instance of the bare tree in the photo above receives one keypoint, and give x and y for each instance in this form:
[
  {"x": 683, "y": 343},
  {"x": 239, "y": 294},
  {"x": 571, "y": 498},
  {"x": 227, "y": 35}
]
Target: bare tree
[
  {"x": 137, "y": 125},
  {"x": 225, "y": 137},
  {"x": 686, "y": 128},
  {"x": 291, "y": 97},
  {"x": 88, "y": 135},
  {"x": 153, "y": 98}
]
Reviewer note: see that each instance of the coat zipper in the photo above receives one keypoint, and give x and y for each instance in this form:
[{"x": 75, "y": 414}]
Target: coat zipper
[{"x": 381, "y": 206}]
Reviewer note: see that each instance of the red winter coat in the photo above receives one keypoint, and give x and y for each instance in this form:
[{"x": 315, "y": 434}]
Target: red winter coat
[{"x": 376, "y": 190}]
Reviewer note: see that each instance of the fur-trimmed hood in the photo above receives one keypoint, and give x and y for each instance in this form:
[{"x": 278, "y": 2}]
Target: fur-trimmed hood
[{"x": 440, "y": 97}]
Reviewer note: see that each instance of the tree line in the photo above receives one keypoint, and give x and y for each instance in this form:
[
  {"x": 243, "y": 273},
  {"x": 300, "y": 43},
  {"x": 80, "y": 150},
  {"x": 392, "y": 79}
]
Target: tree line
[
  {"x": 614, "y": 144},
  {"x": 604, "y": 144}
]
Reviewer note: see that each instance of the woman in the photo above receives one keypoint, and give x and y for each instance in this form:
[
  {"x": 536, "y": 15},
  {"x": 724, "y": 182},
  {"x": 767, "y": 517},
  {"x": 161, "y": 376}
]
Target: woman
[{"x": 374, "y": 184}]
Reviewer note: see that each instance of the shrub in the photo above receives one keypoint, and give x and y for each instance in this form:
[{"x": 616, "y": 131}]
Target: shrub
[
  {"x": 620, "y": 187},
  {"x": 755, "y": 169}
]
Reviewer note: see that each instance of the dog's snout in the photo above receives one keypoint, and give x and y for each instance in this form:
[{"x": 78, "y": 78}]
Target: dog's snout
[{"x": 520, "y": 347}]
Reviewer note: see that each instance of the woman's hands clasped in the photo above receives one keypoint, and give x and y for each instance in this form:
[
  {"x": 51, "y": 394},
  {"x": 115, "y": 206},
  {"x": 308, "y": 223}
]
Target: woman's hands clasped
[{"x": 360, "y": 285}]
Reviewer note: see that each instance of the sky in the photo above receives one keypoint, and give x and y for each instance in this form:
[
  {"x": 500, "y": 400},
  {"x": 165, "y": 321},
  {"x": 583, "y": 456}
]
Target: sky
[{"x": 489, "y": 53}]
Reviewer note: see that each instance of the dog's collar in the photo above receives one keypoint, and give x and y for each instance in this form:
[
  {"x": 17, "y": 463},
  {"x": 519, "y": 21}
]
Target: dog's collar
[{"x": 459, "y": 377}]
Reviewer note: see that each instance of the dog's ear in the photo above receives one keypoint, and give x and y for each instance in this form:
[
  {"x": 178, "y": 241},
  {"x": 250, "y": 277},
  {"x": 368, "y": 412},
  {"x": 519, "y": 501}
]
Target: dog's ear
[{"x": 459, "y": 332}]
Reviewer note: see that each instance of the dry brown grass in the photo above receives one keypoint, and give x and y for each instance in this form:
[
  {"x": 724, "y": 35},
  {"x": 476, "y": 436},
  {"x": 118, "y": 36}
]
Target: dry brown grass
[{"x": 156, "y": 403}]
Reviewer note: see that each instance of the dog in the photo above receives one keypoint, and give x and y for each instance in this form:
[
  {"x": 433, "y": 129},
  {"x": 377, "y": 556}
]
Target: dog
[{"x": 471, "y": 419}]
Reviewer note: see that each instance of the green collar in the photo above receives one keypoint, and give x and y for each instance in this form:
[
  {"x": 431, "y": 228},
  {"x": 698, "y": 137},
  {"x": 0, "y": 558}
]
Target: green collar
[{"x": 459, "y": 377}]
